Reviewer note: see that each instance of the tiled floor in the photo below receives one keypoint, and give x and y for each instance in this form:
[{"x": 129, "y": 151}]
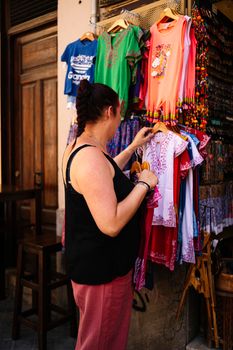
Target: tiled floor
[{"x": 57, "y": 338}]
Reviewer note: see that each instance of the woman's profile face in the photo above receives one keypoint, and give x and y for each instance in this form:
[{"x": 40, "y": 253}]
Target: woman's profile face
[
  {"x": 118, "y": 114},
  {"x": 115, "y": 120}
]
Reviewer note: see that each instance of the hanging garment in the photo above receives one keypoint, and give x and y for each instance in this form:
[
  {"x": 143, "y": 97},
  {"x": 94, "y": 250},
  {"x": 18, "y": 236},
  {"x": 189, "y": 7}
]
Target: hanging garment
[
  {"x": 202, "y": 137},
  {"x": 116, "y": 63},
  {"x": 163, "y": 242},
  {"x": 164, "y": 67},
  {"x": 160, "y": 152},
  {"x": 144, "y": 77},
  {"x": 139, "y": 87},
  {"x": 146, "y": 225},
  {"x": 184, "y": 71},
  {"x": 72, "y": 133},
  {"x": 124, "y": 135},
  {"x": 191, "y": 68},
  {"x": 189, "y": 219},
  {"x": 80, "y": 58}
]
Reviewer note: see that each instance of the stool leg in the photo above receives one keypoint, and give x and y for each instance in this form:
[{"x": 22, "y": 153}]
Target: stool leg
[
  {"x": 42, "y": 301},
  {"x": 73, "y": 311},
  {"x": 18, "y": 295}
]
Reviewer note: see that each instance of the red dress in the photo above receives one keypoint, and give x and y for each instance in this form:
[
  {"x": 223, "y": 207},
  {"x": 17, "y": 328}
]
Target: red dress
[{"x": 163, "y": 245}]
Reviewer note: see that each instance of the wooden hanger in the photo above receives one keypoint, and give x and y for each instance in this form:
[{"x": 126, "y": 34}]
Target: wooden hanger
[
  {"x": 166, "y": 15},
  {"x": 118, "y": 24},
  {"x": 160, "y": 126},
  {"x": 88, "y": 36},
  {"x": 135, "y": 167},
  {"x": 176, "y": 130}
]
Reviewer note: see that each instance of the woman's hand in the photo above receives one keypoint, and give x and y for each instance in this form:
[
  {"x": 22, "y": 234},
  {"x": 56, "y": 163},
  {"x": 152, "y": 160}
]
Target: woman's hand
[
  {"x": 149, "y": 177},
  {"x": 144, "y": 135}
]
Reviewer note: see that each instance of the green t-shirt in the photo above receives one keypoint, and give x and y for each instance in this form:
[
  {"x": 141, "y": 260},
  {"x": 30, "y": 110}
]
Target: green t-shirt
[{"x": 117, "y": 56}]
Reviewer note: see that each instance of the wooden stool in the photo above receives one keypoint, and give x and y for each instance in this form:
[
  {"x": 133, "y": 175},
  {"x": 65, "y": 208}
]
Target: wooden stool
[{"x": 41, "y": 283}]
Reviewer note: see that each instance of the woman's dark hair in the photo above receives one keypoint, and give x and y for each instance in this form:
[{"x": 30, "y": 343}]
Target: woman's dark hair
[{"x": 91, "y": 101}]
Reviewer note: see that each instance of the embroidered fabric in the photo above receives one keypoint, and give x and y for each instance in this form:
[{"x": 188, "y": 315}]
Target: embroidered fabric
[{"x": 160, "y": 152}]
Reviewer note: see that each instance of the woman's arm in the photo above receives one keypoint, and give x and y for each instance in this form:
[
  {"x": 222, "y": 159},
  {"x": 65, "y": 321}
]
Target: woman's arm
[
  {"x": 122, "y": 158},
  {"x": 142, "y": 137},
  {"x": 92, "y": 176}
]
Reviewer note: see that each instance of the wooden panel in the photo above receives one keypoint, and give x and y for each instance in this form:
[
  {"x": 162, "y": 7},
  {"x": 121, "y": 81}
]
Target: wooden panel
[
  {"x": 36, "y": 106},
  {"x": 37, "y": 35},
  {"x": 44, "y": 72},
  {"x": 39, "y": 52},
  {"x": 38, "y": 127},
  {"x": 24, "y": 10},
  {"x": 33, "y": 23},
  {"x": 50, "y": 142},
  {"x": 17, "y": 118},
  {"x": 28, "y": 100}
]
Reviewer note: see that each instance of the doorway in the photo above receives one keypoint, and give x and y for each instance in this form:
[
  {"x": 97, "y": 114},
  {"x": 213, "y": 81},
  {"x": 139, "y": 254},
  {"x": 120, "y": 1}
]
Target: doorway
[{"x": 35, "y": 118}]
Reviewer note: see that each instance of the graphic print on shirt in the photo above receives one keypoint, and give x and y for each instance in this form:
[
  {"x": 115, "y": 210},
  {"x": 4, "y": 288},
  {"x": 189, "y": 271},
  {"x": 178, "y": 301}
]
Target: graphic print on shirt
[
  {"x": 80, "y": 58},
  {"x": 80, "y": 65},
  {"x": 164, "y": 69},
  {"x": 160, "y": 59}
]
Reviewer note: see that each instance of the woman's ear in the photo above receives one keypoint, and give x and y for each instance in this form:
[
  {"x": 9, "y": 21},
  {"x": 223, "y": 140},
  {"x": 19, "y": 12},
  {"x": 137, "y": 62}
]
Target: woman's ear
[{"x": 109, "y": 112}]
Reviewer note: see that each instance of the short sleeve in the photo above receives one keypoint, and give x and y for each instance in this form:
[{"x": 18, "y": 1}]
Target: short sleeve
[
  {"x": 197, "y": 158},
  {"x": 133, "y": 53},
  {"x": 185, "y": 164},
  {"x": 66, "y": 54},
  {"x": 179, "y": 145}
]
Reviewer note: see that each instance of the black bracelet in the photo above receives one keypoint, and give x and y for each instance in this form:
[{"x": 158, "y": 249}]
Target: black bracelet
[{"x": 144, "y": 184}]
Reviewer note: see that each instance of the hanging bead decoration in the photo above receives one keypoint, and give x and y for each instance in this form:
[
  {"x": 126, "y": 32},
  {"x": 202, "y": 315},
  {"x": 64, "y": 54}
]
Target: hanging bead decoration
[{"x": 199, "y": 117}]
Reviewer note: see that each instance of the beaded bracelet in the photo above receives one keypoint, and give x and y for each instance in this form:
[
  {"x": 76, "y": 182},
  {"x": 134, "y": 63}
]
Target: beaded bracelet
[{"x": 145, "y": 184}]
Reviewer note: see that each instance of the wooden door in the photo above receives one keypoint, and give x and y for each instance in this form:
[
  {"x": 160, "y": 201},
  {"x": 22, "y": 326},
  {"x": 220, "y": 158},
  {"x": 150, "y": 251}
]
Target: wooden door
[{"x": 35, "y": 115}]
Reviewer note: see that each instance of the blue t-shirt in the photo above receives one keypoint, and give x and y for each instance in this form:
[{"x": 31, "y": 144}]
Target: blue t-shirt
[{"x": 80, "y": 58}]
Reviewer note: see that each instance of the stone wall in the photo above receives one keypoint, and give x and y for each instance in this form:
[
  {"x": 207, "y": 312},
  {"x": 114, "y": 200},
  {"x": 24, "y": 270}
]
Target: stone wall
[{"x": 157, "y": 328}]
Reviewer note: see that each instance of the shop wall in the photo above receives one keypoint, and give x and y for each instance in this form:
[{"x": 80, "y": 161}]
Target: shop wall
[{"x": 73, "y": 21}]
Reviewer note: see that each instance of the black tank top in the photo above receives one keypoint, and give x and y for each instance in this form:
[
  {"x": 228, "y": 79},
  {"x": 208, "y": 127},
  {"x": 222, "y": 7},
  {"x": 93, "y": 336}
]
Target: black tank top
[{"x": 93, "y": 257}]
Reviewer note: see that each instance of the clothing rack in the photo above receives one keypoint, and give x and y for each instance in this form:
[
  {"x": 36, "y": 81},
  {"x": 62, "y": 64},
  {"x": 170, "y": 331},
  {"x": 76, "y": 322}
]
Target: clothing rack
[
  {"x": 131, "y": 17},
  {"x": 149, "y": 14}
]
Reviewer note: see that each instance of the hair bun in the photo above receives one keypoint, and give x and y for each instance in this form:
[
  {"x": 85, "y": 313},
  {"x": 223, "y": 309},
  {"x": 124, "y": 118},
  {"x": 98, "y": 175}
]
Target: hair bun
[{"x": 85, "y": 88}]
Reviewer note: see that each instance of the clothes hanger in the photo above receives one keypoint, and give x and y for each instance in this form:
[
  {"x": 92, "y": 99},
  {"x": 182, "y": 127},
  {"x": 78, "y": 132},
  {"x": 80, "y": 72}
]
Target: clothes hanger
[
  {"x": 88, "y": 36},
  {"x": 117, "y": 25},
  {"x": 160, "y": 126},
  {"x": 131, "y": 17},
  {"x": 166, "y": 15},
  {"x": 175, "y": 129},
  {"x": 137, "y": 167}
]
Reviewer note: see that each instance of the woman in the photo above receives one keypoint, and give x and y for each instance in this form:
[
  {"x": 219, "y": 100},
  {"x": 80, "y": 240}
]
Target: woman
[{"x": 102, "y": 227}]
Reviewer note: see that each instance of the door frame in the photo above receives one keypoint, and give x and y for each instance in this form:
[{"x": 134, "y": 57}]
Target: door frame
[{"x": 8, "y": 40}]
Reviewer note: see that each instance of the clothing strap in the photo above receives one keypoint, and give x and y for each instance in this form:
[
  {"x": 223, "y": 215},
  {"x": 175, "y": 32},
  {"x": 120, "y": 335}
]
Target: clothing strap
[{"x": 71, "y": 157}]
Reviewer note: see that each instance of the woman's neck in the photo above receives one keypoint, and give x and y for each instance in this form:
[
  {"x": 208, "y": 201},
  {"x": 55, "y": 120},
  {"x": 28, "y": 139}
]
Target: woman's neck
[{"x": 96, "y": 136}]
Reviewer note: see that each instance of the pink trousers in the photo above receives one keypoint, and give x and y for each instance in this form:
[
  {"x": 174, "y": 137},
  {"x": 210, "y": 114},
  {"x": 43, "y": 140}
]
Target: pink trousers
[{"x": 105, "y": 312}]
